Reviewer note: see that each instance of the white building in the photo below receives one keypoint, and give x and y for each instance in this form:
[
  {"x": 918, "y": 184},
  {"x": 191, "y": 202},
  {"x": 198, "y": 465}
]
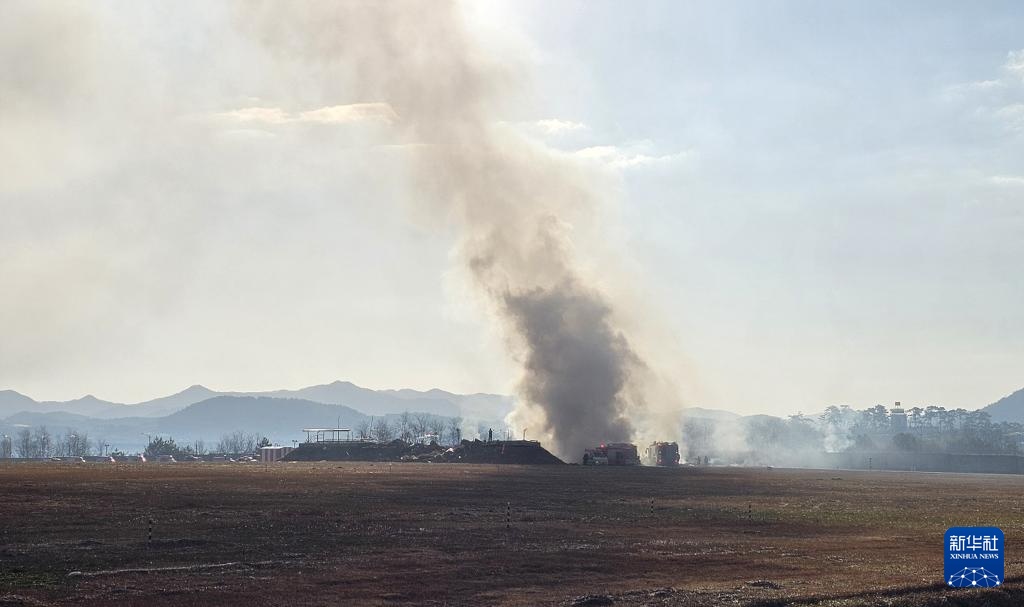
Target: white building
[{"x": 274, "y": 453}]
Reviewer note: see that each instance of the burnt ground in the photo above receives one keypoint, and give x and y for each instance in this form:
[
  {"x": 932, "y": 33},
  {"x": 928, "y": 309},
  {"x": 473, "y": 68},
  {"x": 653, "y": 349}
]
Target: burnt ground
[{"x": 435, "y": 534}]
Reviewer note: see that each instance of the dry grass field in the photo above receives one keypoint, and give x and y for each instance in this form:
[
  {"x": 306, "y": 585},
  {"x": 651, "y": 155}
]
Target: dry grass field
[{"x": 435, "y": 534}]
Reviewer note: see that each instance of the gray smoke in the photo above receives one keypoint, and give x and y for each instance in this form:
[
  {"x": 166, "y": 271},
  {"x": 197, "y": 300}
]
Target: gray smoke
[
  {"x": 515, "y": 204},
  {"x": 577, "y": 364}
]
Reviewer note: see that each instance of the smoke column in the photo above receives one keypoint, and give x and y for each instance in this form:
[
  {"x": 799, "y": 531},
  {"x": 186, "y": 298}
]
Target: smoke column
[{"x": 511, "y": 201}]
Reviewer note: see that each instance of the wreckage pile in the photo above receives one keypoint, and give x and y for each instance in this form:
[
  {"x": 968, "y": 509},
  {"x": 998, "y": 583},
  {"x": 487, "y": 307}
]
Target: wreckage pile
[{"x": 467, "y": 452}]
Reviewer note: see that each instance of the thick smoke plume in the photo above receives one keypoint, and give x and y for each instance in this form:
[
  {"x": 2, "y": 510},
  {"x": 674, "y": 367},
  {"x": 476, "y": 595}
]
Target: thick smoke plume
[
  {"x": 514, "y": 202},
  {"x": 577, "y": 365}
]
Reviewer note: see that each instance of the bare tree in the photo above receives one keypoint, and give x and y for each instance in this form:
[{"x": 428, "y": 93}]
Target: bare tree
[
  {"x": 80, "y": 446},
  {"x": 237, "y": 442},
  {"x": 23, "y": 443},
  {"x": 420, "y": 425},
  {"x": 382, "y": 430},
  {"x": 42, "y": 442},
  {"x": 364, "y": 429},
  {"x": 454, "y": 431},
  {"x": 436, "y": 425},
  {"x": 72, "y": 443},
  {"x": 405, "y": 427},
  {"x": 61, "y": 446},
  {"x": 6, "y": 447}
]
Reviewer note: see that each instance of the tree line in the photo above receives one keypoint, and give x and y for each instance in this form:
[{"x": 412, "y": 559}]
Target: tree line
[
  {"x": 39, "y": 442},
  {"x": 840, "y": 428},
  {"x": 931, "y": 429},
  {"x": 411, "y": 428},
  {"x": 233, "y": 443}
]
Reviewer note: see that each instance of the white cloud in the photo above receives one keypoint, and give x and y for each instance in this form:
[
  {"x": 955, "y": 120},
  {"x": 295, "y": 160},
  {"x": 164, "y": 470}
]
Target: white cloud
[
  {"x": 355, "y": 112},
  {"x": 334, "y": 114},
  {"x": 1007, "y": 180},
  {"x": 958, "y": 91},
  {"x": 1013, "y": 69},
  {"x": 268, "y": 115},
  {"x": 1013, "y": 114},
  {"x": 998, "y": 97},
  {"x": 554, "y": 126},
  {"x": 622, "y": 158},
  {"x": 1015, "y": 63}
]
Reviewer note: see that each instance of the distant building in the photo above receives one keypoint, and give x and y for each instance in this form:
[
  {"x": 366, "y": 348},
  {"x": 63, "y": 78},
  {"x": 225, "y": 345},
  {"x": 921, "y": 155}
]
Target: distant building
[
  {"x": 898, "y": 419},
  {"x": 274, "y": 453}
]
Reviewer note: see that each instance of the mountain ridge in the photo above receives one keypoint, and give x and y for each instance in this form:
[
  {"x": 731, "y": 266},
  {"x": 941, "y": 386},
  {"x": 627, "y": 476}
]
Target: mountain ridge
[
  {"x": 338, "y": 392},
  {"x": 1010, "y": 408},
  {"x": 280, "y": 419}
]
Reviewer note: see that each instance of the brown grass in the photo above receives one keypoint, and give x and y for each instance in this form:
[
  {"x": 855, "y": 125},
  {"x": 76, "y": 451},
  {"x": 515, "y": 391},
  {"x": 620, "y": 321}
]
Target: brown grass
[{"x": 433, "y": 534}]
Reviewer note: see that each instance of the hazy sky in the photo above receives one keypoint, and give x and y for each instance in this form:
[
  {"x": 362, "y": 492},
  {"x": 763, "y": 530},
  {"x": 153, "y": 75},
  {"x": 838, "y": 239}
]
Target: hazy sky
[{"x": 825, "y": 202}]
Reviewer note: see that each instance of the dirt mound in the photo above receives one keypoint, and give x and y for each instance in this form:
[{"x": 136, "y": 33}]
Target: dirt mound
[
  {"x": 467, "y": 452},
  {"x": 500, "y": 452},
  {"x": 353, "y": 451}
]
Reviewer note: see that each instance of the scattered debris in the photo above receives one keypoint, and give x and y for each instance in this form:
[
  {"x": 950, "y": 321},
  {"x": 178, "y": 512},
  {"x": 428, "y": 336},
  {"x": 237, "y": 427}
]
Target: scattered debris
[{"x": 764, "y": 584}]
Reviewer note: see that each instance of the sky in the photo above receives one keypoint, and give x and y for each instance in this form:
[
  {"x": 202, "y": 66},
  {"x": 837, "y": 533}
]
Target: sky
[{"x": 818, "y": 203}]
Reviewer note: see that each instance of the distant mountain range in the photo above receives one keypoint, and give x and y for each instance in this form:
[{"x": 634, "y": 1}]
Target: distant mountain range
[
  {"x": 371, "y": 402},
  {"x": 200, "y": 413},
  {"x": 277, "y": 418}
]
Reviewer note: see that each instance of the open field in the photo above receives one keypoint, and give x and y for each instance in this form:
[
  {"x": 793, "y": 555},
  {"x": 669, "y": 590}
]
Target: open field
[{"x": 433, "y": 534}]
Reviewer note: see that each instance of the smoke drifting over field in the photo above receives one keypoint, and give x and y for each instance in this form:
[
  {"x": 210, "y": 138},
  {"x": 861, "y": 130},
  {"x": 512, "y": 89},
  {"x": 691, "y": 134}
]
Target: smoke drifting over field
[{"x": 512, "y": 201}]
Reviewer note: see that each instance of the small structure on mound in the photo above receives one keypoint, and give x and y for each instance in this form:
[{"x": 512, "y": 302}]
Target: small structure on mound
[{"x": 328, "y": 435}]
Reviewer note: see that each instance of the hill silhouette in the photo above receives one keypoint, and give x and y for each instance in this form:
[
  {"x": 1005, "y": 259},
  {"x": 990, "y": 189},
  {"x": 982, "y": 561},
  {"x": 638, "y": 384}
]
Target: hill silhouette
[{"x": 1008, "y": 409}]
